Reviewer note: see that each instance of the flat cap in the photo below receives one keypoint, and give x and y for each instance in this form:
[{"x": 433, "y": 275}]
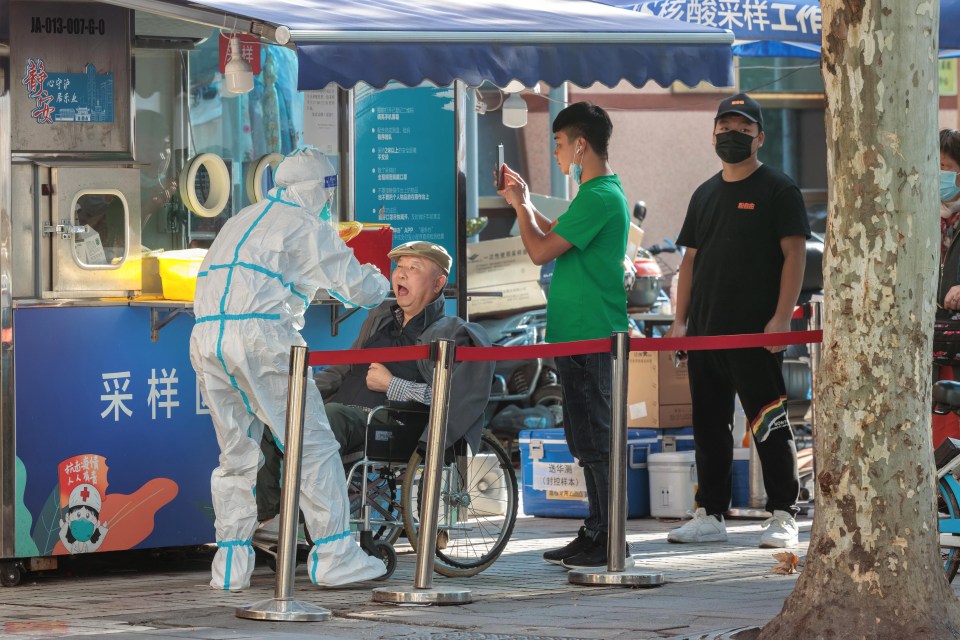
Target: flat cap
[{"x": 424, "y": 249}]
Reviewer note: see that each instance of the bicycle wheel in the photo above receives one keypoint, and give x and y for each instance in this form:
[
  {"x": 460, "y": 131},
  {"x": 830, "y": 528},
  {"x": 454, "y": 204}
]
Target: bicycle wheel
[
  {"x": 477, "y": 511},
  {"x": 386, "y": 524},
  {"x": 948, "y": 509}
]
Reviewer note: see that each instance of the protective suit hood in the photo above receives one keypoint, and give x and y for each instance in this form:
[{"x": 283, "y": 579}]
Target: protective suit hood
[{"x": 308, "y": 179}]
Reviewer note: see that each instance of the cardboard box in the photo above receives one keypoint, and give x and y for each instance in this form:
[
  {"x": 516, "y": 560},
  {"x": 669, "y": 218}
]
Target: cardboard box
[
  {"x": 634, "y": 242},
  {"x": 675, "y": 415},
  {"x": 643, "y": 392},
  {"x": 513, "y": 297},
  {"x": 674, "y": 380},
  {"x": 502, "y": 266},
  {"x": 658, "y": 393},
  {"x": 498, "y": 262}
]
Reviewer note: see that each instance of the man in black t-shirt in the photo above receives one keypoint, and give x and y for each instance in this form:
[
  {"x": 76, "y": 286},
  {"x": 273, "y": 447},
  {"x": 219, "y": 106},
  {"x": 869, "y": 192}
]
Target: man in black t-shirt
[{"x": 745, "y": 237}]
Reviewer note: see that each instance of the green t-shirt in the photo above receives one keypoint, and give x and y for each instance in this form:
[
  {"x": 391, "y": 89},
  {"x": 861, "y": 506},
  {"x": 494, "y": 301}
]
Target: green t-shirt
[{"x": 587, "y": 299}]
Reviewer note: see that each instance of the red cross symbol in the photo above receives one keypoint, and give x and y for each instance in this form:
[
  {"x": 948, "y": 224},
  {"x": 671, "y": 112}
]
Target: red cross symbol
[{"x": 85, "y": 494}]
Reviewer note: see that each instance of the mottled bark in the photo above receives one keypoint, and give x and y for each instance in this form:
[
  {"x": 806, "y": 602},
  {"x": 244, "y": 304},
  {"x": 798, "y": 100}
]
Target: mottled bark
[{"x": 873, "y": 566}]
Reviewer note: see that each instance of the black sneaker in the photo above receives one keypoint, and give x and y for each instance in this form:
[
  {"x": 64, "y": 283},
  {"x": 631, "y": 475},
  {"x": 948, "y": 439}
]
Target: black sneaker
[
  {"x": 581, "y": 543},
  {"x": 595, "y": 558}
]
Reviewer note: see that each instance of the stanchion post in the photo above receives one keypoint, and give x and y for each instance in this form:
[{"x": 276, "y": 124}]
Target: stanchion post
[
  {"x": 616, "y": 507},
  {"x": 816, "y": 323},
  {"x": 616, "y": 572},
  {"x": 282, "y": 607},
  {"x": 423, "y": 592}
]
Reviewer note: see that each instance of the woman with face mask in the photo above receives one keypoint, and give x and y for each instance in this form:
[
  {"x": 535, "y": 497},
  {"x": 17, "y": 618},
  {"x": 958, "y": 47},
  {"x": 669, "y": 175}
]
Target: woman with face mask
[
  {"x": 949, "y": 187},
  {"x": 945, "y": 365}
]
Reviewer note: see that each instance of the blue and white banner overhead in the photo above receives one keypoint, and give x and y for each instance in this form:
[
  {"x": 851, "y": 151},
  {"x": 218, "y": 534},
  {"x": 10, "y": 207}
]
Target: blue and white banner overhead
[
  {"x": 775, "y": 28},
  {"x": 439, "y": 41},
  {"x": 794, "y": 20}
]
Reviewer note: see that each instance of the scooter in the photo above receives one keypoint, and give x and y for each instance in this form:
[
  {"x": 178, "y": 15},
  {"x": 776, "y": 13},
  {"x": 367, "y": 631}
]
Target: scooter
[{"x": 523, "y": 383}]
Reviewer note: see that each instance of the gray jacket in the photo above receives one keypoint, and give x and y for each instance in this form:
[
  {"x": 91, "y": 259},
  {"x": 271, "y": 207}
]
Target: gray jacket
[{"x": 470, "y": 383}]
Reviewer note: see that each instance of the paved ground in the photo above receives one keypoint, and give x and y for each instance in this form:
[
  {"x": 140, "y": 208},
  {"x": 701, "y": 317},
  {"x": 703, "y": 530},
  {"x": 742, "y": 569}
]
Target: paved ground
[{"x": 708, "y": 588}]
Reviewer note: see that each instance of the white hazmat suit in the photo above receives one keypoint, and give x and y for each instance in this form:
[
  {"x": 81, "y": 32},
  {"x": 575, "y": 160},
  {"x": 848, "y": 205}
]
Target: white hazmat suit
[{"x": 255, "y": 283}]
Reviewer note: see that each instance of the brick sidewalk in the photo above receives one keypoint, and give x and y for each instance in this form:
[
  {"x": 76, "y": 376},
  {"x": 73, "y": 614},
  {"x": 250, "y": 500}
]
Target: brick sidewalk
[{"x": 708, "y": 587}]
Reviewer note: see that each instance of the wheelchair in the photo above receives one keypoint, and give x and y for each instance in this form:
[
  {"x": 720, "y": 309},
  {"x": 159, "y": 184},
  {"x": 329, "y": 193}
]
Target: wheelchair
[{"x": 478, "y": 493}]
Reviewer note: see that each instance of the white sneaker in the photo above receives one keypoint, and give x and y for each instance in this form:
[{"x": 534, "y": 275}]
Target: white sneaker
[
  {"x": 702, "y": 528},
  {"x": 781, "y": 531},
  {"x": 267, "y": 533}
]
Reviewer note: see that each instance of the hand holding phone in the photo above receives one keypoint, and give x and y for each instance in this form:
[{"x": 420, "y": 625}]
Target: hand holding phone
[{"x": 500, "y": 182}]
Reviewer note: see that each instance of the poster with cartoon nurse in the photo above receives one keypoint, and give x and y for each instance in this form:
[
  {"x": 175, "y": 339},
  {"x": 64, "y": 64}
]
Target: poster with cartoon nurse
[
  {"x": 89, "y": 518},
  {"x": 81, "y": 530}
]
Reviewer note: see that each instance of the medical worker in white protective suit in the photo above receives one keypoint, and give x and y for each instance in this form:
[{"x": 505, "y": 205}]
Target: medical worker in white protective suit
[{"x": 255, "y": 283}]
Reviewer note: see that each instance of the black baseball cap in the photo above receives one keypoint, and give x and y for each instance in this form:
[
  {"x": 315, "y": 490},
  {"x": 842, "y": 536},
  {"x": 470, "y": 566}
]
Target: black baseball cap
[{"x": 743, "y": 105}]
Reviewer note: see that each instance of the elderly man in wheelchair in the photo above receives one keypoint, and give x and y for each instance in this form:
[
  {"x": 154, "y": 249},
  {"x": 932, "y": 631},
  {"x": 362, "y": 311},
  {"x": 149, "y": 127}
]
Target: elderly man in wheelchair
[{"x": 379, "y": 413}]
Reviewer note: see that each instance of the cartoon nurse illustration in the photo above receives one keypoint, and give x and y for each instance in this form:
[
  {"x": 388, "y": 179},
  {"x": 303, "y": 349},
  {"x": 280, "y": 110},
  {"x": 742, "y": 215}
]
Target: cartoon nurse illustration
[{"x": 81, "y": 531}]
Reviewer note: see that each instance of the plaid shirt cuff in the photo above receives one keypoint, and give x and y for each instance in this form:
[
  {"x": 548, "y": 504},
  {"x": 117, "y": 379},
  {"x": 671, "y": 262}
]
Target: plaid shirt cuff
[{"x": 401, "y": 390}]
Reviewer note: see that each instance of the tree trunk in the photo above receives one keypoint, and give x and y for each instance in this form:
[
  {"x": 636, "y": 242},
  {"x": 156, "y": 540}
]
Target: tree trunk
[{"x": 873, "y": 567}]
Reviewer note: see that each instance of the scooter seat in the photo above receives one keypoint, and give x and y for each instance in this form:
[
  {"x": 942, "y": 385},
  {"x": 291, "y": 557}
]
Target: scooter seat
[{"x": 947, "y": 394}]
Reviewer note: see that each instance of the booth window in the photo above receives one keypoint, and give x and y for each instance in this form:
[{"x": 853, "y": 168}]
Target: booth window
[
  {"x": 100, "y": 238},
  {"x": 791, "y": 92}
]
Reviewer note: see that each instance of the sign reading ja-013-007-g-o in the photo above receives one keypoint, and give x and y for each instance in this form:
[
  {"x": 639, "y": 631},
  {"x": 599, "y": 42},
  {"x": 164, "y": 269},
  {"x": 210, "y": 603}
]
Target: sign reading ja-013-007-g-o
[{"x": 69, "y": 26}]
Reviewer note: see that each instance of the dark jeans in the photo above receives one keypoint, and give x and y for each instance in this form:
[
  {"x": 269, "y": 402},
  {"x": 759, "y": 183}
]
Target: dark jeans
[
  {"x": 349, "y": 426},
  {"x": 756, "y": 375},
  {"x": 267, "y": 490},
  {"x": 585, "y": 381}
]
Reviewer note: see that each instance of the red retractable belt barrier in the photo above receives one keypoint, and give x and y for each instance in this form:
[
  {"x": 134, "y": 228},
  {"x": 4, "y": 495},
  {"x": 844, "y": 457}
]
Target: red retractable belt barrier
[
  {"x": 366, "y": 356},
  {"x": 602, "y": 345}
]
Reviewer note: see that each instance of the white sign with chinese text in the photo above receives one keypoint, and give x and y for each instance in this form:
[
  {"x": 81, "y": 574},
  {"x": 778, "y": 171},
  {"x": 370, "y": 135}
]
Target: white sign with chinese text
[{"x": 561, "y": 480}]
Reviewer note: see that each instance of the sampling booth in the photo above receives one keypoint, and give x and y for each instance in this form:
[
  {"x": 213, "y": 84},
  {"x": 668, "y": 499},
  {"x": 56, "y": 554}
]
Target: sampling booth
[{"x": 123, "y": 143}]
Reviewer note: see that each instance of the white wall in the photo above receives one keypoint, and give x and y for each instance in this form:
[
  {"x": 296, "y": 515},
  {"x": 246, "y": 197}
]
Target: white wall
[{"x": 660, "y": 156}]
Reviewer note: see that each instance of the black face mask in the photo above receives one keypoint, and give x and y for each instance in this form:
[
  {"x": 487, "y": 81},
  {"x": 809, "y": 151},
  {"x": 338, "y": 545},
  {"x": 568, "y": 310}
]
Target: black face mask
[{"x": 733, "y": 146}]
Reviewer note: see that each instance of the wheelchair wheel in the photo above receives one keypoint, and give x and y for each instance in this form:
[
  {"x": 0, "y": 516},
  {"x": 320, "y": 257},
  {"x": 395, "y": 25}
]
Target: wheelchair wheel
[
  {"x": 477, "y": 511},
  {"x": 948, "y": 509},
  {"x": 385, "y": 520}
]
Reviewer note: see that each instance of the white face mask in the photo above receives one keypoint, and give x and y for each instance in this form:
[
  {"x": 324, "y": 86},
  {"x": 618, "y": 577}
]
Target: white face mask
[
  {"x": 575, "y": 170},
  {"x": 948, "y": 185}
]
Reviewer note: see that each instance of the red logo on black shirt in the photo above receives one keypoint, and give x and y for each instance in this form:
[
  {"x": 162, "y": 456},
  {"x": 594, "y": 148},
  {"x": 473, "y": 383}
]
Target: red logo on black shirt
[{"x": 747, "y": 205}]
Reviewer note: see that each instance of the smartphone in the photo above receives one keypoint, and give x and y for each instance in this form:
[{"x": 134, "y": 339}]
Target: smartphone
[{"x": 500, "y": 184}]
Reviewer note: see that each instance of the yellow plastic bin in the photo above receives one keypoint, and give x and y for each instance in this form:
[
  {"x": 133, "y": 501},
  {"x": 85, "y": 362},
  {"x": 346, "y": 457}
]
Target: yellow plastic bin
[{"x": 178, "y": 272}]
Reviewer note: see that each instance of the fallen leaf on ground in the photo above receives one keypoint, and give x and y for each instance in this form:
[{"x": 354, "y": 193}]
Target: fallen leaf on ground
[{"x": 786, "y": 563}]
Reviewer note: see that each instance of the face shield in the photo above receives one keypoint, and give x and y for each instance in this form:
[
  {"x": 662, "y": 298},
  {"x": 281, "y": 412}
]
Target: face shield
[
  {"x": 310, "y": 181},
  {"x": 329, "y": 209}
]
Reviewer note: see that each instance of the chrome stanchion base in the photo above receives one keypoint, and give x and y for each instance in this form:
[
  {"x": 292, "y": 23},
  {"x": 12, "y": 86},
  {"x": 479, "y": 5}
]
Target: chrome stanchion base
[
  {"x": 284, "y": 611},
  {"x": 412, "y": 595},
  {"x": 631, "y": 577},
  {"x": 748, "y": 513}
]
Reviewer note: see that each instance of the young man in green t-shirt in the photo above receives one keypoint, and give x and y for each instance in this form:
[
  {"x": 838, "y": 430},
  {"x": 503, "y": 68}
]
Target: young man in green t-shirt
[{"x": 587, "y": 301}]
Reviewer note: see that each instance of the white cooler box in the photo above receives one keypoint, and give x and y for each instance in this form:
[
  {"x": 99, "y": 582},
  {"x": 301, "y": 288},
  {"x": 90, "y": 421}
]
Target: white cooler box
[{"x": 673, "y": 482}]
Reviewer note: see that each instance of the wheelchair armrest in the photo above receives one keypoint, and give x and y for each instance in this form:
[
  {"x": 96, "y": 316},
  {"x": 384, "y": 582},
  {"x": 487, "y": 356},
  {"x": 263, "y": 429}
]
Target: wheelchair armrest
[{"x": 409, "y": 407}]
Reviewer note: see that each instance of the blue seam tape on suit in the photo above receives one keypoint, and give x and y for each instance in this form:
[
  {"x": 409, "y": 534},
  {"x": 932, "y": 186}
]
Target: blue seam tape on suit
[
  {"x": 264, "y": 271},
  {"x": 223, "y": 309},
  {"x": 316, "y": 544},
  {"x": 238, "y": 316},
  {"x": 229, "y": 545}
]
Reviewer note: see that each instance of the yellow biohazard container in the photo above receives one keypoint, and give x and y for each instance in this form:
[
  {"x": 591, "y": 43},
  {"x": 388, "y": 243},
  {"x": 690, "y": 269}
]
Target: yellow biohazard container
[{"x": 178, "y": 273}]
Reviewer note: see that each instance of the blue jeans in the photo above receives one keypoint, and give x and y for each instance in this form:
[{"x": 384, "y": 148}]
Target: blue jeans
[{"x": 585, "y": 381}]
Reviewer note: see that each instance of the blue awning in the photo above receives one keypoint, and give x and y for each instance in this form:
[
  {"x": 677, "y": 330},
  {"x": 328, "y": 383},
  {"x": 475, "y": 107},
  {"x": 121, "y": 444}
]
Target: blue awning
[
  {"x": 786, "y": 28},
  {"x": 553, "y": 41}
]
